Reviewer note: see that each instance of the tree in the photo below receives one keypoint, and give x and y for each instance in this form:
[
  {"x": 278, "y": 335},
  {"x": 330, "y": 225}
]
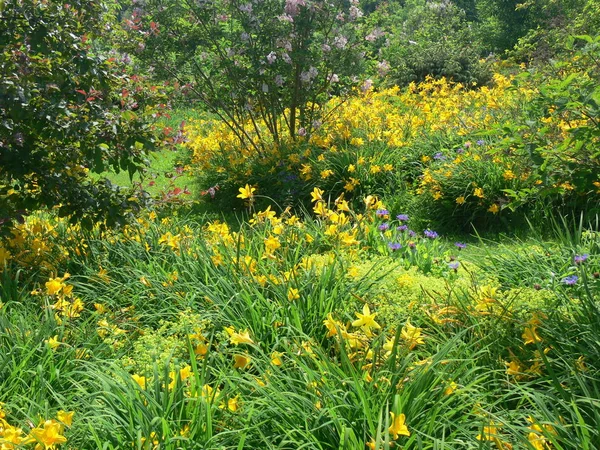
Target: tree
[
  {"x": 67, "y": 110},
  {"x": 263, "y": 67}
]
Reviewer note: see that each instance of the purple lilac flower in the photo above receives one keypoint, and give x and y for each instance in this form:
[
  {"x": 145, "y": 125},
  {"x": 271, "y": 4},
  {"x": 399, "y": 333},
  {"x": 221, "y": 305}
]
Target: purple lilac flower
[
  {"x": 384, "y": 226},
  {"x": 402, "y": 217},
  {"x": 453, "y": 265},
  {"x": 570, "y": 280},
  {"x": 394, "y": 246},
  {"x": 292, "y": 7},
  {"x": 430, "y": 234},
  {"x": 578, "y": 259},
  {"x": 480, "y": 142},
  {"x": 439, "y": 156},
  {"x": 382, "y": 212},
  {"x": 460, "y": 245},
  {"x": 383, "y": 68},
  {"x": 411, "y": 233},
  {"x": 271, "y": 57},
  {"x": 402, "y": 228},
  {"x": 340, "y": 42},
  {"x": 247, "y": 8}
]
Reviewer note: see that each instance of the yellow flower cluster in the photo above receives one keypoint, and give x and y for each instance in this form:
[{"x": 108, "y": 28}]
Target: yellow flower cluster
[
  {"x": 392, "y": 117},
  {"x": 48, "y": 435}
]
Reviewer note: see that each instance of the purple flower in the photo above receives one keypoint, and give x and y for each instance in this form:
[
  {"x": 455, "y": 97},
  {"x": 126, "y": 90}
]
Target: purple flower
[
  {"x": 411, "y": 233},
  {"x": 453, "y": 265},
  {"x": 480, "y": 142},
  {"x": 439, "y": 156},
  {"x": 271, "y": 57},
  {"x": 292, "y": 7},
  {"x": 467, "y": 144},
  {"x": 384, "y": 226},
  {"x": 394, "y": 246},
  {"x": 383, "y": 68},
  {"x": 382, "y": 212},
  {"x": 302, "y": 131},
  {"x": 460, "y": 150},
  {"x": 402, "y": 217},
  {"x": 460, "y": 245},
  {"x": 355, "y": 13},
  {"x": 368, "y": 84},
  {"x": 570, "y": 280},
  {"x": 578, "y": 259},
  {"x": 402, "y": 228},
  {"x": 247, "y": 8},
  {"x": 340, "y": 42},
  {"x": 430, "y": 234}
]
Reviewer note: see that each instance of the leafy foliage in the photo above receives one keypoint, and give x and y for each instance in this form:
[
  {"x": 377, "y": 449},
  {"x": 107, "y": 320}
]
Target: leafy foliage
[
  {"x": 67, "y": 109},
  {"x": 268, "y": 64}
]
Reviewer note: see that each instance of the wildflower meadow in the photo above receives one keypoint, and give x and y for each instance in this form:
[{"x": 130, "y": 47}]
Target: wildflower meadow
[{"x": 298, "y": 224}]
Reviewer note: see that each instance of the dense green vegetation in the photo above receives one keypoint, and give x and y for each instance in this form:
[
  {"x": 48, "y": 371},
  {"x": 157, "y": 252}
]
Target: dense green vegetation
[{"x": 297, "y": 224}]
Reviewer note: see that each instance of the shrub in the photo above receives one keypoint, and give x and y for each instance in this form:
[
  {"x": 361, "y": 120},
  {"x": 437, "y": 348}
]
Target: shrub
[
  {"x": 432, "y": 39},
  {"x": 264, "y": 68},
  {"x": 67, "y": 110}
]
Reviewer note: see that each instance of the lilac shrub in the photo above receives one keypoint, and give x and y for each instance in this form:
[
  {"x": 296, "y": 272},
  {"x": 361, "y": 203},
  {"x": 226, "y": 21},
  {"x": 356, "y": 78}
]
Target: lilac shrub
[{"x": 263, "y": 67}]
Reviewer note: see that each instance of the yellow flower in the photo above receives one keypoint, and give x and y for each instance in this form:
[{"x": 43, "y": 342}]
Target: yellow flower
[
  {"x": 513, "y": 368},
  {"x": 53, "y": 342},
  {"x": 65, "y": 417},
  {"x": 494, "y": 208},
  {"x": 317, "y": 195},
  {"x": 352, "y": 168},
  {"x": 321, "y": 209},
  {"x": 11, "y": 435},
  {"x": 246, "y": 192},
  {"x": 509, "y": 175},
  {"x": 343, "y": 206},
  {"x": 478, "y": 192},
  {"x": 375, "y": 169},
  {"x": 332, "y": 326},
  {"x": 460, "y": 200},
  {"x": 530, "y": 335},
  {"x": 353, "y": 272},
  {"x": 326, "y": 173},
  {"x": 451, "y": 388},
  {"x": 537, "y": 442},
  {"x": 366, "y": 320},
  {"x": 237, "y": 338},
  {"x": 271, "y": 244},
  {"x": 398, "y": 427},
  {"x": 276, "y": 358},
  {"x": 233, "y": 404},
  {"x": 293, "y": 294},
  {"x": 185, "y": 373},
  {"x": 412, "y": 335},
  {"x": 140, "y": 380},
  {"x": 50, "y": 435},
  {"x": 54, "y": 285},
  {"x": 241, "y": 361}
]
